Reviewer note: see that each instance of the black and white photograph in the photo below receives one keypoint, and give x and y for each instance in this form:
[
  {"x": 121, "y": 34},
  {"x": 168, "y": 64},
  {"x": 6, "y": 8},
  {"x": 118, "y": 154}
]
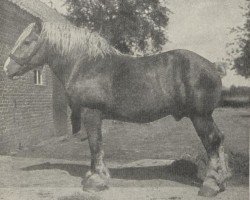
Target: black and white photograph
[{"x": 124, "y": 99}]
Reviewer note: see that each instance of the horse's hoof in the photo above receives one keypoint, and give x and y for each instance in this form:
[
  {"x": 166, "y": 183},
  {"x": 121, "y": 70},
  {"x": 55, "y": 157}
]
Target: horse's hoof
[
  {"x": 206, "y": 191},
  {"x": 95, "y": 183}
]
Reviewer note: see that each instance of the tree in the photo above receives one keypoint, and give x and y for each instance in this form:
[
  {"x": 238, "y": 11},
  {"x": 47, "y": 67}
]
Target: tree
[
  {"x": 129, "y": 25},
  {"x": 241, "y": 50}
]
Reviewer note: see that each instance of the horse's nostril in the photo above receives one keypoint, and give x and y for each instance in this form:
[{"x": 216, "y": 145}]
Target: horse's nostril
[{"x": 4, "y": 69}]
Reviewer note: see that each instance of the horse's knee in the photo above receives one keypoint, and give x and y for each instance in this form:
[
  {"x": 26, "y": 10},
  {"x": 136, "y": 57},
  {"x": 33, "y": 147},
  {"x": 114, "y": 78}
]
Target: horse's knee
[{"x": 91, "y": 119}]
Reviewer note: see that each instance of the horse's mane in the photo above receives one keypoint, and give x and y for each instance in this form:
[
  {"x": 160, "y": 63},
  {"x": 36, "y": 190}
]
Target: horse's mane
[{"x": 75, "y": 42}]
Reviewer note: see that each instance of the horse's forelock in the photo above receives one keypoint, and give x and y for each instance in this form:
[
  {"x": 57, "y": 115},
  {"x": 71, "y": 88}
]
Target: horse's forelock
[{"x": 74, "y": 42}]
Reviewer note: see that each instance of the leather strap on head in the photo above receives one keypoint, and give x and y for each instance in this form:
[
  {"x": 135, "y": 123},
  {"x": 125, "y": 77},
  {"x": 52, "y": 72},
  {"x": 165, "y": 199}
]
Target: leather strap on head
[
  {"x": 24, "y": 61},
  {"x": 20, "y": 61}
]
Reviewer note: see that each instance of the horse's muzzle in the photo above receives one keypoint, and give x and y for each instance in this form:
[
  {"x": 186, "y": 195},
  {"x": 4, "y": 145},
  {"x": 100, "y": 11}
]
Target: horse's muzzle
[{"x": 11, "y": 68}]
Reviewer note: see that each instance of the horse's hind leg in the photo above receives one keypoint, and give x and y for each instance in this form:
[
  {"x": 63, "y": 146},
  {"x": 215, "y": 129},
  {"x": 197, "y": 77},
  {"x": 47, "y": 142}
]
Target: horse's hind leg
[
  {"x": 98, "y": 176},
  {"x": 212, "y": 139}
]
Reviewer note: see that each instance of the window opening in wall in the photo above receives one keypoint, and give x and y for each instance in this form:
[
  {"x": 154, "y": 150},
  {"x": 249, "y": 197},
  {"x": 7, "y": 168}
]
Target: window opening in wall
[{"x": 38, "y": 77}]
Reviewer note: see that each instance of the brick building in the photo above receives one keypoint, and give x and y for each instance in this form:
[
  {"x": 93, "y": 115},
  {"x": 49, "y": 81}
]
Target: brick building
[{"x": 32, "y": 108}]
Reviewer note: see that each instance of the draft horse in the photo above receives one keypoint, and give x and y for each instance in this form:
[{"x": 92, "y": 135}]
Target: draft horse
[{"x": 103, "y": 83}]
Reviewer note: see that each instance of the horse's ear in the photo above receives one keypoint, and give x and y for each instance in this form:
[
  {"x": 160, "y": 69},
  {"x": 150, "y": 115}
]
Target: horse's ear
[{"x": 38, "y": 26}]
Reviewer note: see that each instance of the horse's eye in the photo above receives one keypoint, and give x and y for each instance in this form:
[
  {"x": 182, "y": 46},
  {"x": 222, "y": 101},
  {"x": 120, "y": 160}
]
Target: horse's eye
[{"x": 26, "y": 42}]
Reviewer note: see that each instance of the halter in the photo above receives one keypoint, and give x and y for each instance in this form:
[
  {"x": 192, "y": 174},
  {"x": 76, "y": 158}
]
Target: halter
[
  {"x": 24, "y": 61},
  {"x": 20, "y": 61}
]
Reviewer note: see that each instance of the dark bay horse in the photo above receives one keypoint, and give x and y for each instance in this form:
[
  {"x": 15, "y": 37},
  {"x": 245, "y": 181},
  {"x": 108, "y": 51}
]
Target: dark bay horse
[{"x": 102, "y": 83}]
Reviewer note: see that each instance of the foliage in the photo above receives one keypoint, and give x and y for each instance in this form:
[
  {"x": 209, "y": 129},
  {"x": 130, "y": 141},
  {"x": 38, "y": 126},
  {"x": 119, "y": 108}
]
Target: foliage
[
  {"x": 129, "y": 25},
  {"x": 241, "y": 52},
  {"x": 236, "y": 97},
  {"x": 238, "y": 91}
]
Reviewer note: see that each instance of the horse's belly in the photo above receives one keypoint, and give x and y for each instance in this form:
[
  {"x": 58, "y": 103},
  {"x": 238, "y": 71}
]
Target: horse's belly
[
  {"x": 143, "y": 104},
  {"x": 139, "y": 116},
  {"x": 144, "y": 93}
]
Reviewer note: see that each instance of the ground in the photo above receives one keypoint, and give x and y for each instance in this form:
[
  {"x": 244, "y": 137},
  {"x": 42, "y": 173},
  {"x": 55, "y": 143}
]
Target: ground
[{"x": 155, "y": 161}]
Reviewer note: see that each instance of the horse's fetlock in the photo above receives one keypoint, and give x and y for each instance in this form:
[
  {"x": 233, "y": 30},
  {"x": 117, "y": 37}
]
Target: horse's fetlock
[{"x": 89, "y": 174}]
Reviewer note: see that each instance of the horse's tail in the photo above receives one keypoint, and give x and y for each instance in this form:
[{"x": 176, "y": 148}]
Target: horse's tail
[{"x": 221, "y": 68}]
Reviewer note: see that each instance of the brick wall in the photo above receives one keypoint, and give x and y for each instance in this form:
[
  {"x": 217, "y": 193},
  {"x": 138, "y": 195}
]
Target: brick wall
[
  {"x": 29, "y": 113},
  {"x": 26, "y": 111}
]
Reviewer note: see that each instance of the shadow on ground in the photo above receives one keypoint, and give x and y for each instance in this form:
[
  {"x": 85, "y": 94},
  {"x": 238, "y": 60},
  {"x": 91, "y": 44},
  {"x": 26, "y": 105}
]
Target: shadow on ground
[
  {"x": 181, "y": 171},
  {"x": 245, "y": 116},
  {"x": 239, "y": 163}
]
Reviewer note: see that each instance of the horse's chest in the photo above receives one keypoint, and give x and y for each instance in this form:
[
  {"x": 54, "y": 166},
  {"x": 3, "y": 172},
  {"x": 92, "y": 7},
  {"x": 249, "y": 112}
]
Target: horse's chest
[{"x": 89, "y": 91}]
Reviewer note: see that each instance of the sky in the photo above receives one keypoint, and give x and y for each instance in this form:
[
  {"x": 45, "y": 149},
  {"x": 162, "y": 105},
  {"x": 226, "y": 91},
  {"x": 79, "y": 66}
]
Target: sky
[{"x": 201, "y": 26}]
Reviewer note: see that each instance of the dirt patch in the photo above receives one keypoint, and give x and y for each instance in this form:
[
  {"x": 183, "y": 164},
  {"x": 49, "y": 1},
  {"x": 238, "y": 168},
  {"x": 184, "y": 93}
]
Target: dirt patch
[
  {"x": 52, "y": 179},
  {"x": 80, "y": 196}
]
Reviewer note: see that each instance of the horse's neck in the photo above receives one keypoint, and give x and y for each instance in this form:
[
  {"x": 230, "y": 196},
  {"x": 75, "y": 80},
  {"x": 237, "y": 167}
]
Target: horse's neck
[
  {"x": 67, "y": 69},
  {"x": 61, "y": 67}
]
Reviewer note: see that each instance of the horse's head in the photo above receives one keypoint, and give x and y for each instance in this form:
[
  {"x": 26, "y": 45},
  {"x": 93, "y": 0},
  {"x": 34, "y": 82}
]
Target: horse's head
[{"x": 27, "y": 53}]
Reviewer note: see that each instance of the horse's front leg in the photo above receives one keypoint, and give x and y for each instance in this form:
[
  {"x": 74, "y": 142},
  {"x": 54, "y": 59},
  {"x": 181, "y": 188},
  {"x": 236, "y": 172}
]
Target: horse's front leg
[
  {"x": 218, "y": 171},
  {"x": 75, "y": 119},
  {"x": 98, "y": 176}
]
